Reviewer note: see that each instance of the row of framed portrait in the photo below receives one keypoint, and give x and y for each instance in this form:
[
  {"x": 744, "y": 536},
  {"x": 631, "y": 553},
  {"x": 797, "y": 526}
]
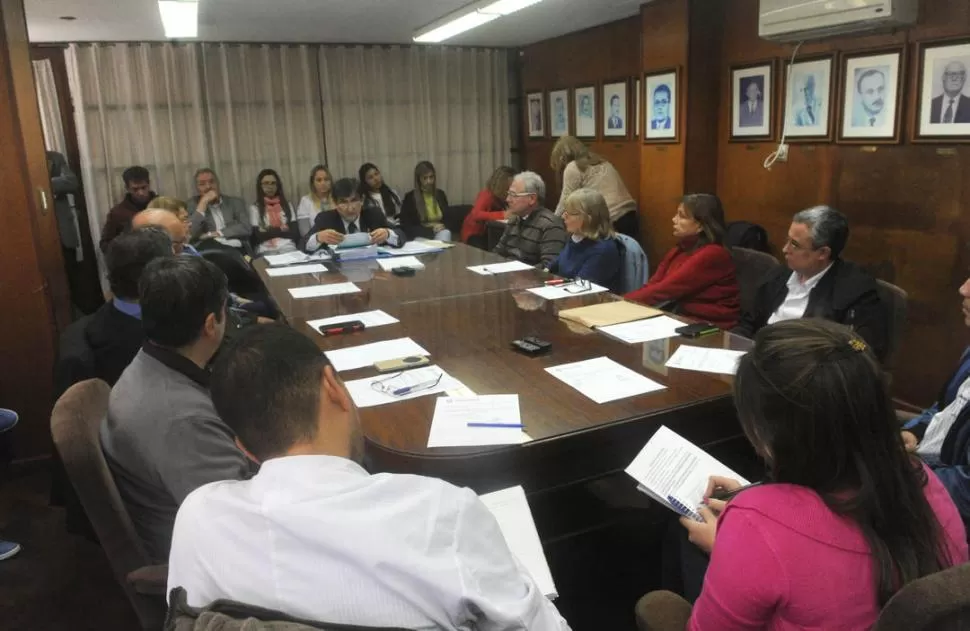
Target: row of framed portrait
[{"x": 861, "y": 97}]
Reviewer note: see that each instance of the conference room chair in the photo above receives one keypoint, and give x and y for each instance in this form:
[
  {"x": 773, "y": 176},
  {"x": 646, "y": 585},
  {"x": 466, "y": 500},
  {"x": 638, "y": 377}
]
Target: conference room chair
[
  {"x": 751, "y": 268},
  {"x": 896, "y": 301},
  {"x": 242, "y": 278},
  {"x": 75, "y": 422},
  {"x": 636, "y": 267},
  {"x": 453, "y": 217},
  {"x": 938, "y": 602}
]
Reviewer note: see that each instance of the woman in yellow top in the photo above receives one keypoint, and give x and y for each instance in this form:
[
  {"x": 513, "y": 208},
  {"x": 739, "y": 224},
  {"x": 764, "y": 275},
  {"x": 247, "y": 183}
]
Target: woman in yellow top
[
  {"x": 577, "y": 167},
  {"x": 423, "y": 209}
]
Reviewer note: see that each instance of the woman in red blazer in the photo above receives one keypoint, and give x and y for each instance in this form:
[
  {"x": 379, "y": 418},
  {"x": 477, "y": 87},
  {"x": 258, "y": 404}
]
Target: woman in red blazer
[
  {"x": 489, "y": 206},
  {"x": 698, "y": 274}
]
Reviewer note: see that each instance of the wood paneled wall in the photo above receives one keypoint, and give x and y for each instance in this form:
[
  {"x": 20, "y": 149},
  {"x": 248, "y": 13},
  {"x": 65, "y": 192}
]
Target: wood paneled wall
[
  {"x": 908, "y": 204},
  {"x": 602, "y": 54}
]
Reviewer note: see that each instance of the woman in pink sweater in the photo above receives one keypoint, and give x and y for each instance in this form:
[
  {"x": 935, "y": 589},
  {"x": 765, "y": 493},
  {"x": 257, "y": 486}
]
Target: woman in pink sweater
[{"x": 847, "y": 516}]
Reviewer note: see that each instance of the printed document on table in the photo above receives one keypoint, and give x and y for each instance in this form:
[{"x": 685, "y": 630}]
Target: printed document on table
[
  {"x": 400, "y": 261},
  {"x": 603, "y": 380},
  {"x": 452, "y": 415},
  {"x": 672, "y": 466},
  {"x": 370, "y": 319},
  {"x": 365, "y": 395},
  {"x": 566, "y": 290},
  {"x": 511, "y": 510},
  {"x": 638, "y": 331},
  {"x": 369, "y": 354},
  {"x": 411, "y": 248},
  {"x": 500, "y": 268},
  {"x": 318, "y": 291},
  {"x": 716, "y": 360},
  {"x": 296, "y": 270},
  {"x": 291, "y": 258}
]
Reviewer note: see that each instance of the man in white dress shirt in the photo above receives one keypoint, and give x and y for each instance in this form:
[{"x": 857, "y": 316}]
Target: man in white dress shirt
[
  {"x": 818, "y": 283},
  {"x": 315, "y": 536}
]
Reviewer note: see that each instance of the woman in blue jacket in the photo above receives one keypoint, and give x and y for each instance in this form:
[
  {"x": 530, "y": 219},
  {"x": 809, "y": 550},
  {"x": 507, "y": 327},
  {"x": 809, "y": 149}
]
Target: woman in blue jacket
[{"x": 592, "y": 252}]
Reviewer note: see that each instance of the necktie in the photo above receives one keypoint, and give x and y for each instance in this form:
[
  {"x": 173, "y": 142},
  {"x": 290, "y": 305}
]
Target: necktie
[
  {"x": 811, "y": 114},
  {"x": 872, "y": 122},
  {"x": 352, "y": 229},
  {"x": 948, "y": 115}
]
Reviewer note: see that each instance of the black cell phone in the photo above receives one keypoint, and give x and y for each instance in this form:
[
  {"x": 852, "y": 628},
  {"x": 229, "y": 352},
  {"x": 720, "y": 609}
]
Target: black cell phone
[
  {"x": 699, "y": 329},
  {"x": 403, "y": 271}
]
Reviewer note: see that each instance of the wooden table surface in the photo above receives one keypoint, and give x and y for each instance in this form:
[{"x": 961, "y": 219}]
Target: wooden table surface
[{"x": 466, "y": 322}]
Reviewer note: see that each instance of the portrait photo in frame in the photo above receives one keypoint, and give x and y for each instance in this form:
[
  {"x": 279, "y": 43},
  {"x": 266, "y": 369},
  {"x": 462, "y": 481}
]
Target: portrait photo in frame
[
  {"x": 752, "y": 100},
  {"x": 661, "y": 91},
  {"x": 534, "y": 110},
  {"x": 616, "y": 118},
  {"x": 943, "y": 103},
  {"x": 807, "y": 113},
  {"x": 558, "y": 113},
  {"x": 584, "y": 106},
  {"x": 871, "y": 105}
]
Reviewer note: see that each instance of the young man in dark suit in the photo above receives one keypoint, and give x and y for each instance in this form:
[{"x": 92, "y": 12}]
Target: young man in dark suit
[
  {"x": 350, "y": 217},
  {"x": 817, "y": 283}
]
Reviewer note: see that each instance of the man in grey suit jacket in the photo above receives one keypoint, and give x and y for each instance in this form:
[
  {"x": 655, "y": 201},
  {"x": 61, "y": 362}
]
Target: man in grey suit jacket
[{"x": 220, "y": 217}]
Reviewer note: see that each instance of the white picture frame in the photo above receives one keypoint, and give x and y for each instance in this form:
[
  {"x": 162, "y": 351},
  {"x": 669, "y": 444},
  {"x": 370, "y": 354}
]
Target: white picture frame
[
  {"x": 871, "y": 86},
  {"x": 661, "y": 93},
  {"x": 808, "y": 100},
  {"x": 752, "y": 96},
  {"x": 535, "y": 114},
  {"x": 558, "y": 113},
  {"x": 616, "y": 119},
  {"x": 948, "y": 62},
  {"x": 639, "y": 110},
  {"x": 584, "y": 108}
]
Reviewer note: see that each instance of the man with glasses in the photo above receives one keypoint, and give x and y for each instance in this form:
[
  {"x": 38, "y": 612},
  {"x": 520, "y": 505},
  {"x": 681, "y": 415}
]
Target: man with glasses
[
  {"x": 952, "y": 106},
  {"x": 331, "y": 227},
  {"x": 817, "y": 283},
  {"x": 661, "y": 108},
  {"x": 534, "y": 234}
]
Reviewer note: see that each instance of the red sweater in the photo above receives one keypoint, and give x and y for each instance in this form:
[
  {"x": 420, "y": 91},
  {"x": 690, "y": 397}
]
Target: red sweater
[
  {"x": 702, "y": 281},
  {"x": 487, "y": 208}
]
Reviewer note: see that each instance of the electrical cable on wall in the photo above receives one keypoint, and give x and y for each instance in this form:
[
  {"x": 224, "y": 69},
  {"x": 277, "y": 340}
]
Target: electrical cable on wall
[{"x": 782, "y": 147}]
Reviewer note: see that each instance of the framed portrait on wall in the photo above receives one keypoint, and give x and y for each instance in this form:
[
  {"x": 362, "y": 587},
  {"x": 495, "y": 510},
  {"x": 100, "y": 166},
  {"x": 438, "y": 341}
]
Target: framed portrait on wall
[
  {"x": 616, "y": 123},
  {"x": 808, "y": 100},
  {"x": 585, "y": 108},
  {"x": 558, "y": 113},
  {"x": 537, "y": 127},
  {"x": 752, "y": 95},
  {"x": 638, "y": 111},
  {"x": 944, "y": 96},
  {"x": 660, "y": 96},
  {"x": 871, "y": 97}
]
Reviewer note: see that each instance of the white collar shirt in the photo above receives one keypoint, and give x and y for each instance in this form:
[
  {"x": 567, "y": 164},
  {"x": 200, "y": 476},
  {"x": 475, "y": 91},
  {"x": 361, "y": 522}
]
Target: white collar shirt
[
  {"x": 796, "y": 302},
  {"x": 319, "y": 538},
  {"x": 931, "y": 446}
]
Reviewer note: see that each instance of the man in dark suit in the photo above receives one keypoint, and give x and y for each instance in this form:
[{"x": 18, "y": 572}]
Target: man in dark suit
[
  {"x": 615, "y": 121},
  {"x": 661, "y": 108},
  {"x": 817, "y": 283},
  {"x": 752, "y": 106},
  {"x": 952, "y": 106},
  {"x": 331, "y": 227}
]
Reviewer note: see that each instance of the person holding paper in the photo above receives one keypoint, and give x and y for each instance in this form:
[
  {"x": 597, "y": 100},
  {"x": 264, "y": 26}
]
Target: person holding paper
[
  {"x": 847, "y": 517},
  {"x": 348, "y": 547},
  {"x": 592, "y": 251},
  {"x": 534, "y": 234},
  {"x": 350, "y": 217},
  {"x": 697, "y": 275}
]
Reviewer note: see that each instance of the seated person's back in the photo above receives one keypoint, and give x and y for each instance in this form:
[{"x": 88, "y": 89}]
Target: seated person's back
[
  {"x": 162, "y": 437},
  {"x": 534, "y": 234},
  {"x": 317, "y": 537},
  {"x": 817, "y": 283}
]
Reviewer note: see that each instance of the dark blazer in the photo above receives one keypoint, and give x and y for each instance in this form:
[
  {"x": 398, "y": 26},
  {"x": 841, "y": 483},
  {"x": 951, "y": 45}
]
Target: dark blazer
[
  {"x": 411, "y": 218},
  {"x": 98, "y": 346},
  {"x": 756, "y": 118},
  {"x": 846, "y": 295},
  {"x": 962, "y": 115},
  {"x": 371, "y": 218}
]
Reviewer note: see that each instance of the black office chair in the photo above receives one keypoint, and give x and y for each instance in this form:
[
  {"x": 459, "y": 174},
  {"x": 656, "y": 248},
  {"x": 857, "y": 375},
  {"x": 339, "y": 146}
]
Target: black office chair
[
  {"x": 243, "y": 280},
  {"x": 454, "y": 217}
]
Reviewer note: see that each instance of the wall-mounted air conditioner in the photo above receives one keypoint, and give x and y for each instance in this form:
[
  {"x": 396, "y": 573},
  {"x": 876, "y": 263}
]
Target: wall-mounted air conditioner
[{"x": 798, "y": 20}]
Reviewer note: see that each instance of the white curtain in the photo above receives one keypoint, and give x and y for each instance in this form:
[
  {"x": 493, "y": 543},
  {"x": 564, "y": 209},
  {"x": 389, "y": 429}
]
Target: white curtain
[
  {"x": 395, "y": 106},
  {"x": 50, "y": 114}
]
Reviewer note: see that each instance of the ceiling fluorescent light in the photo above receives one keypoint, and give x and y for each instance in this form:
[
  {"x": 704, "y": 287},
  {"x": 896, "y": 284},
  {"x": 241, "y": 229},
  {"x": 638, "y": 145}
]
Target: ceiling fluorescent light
[
  {"x": 180, "y": 18},
  {"x": 468, "y": 18}
]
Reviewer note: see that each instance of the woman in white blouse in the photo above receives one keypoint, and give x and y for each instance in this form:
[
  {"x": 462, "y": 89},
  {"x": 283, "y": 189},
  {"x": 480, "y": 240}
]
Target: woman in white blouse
[
  {"x": 275, "y": 229},
  {"x": 319, "y": 198}
]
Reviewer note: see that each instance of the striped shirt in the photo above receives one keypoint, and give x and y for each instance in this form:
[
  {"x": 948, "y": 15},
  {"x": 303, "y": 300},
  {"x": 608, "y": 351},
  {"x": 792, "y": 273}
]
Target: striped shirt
[{"x": 536, "y": 238}]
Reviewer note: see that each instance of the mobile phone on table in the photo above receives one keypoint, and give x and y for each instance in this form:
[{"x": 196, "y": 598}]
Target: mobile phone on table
[{"x": 697, "y": 330}]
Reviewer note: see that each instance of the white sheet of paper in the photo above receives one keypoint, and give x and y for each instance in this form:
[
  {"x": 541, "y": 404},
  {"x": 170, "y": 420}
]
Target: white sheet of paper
[
  {"x": 449, "y": 427},
  {"x": 296, "y": 270},
  {"x": 603, "y": 380},
  {"x": 568, "y": 290},
  {"x": 370, "y": 319},
  {"x": 365, "y": 396},
  {"x": 638, "y": 331},
  {"x": 317, "y": 291},
  {"x": 500, "y": 268},
  {"x": 290, "y": 258},
  {"x": 671, "y": 465},
  {"x": 368, "y": 354},
  {"x": 716, "y": 360},
  {"x": 511, "y": 510},
  {"x": 400, "y": 261},
  {"x": 411, "y": 248}
]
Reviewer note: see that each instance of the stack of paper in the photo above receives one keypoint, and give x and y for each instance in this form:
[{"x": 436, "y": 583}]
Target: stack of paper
[
  {"x": 413, "y": 247},
  {"x": 291, "y": 258},
  {"x": 369, "y": 354},
  {"x": 511, "y": 510},
  {"x": 607, "y": 313},
  {"x": 317, "y": 291},
  {"x": 716, "y": 360},
  {"x": 356, "y": 253},
  {"x": 400, "y": 261},
  {"x": 603, "y": 380},
  {"x": 366, "y": 395},
  {"x": 296, "y": 270},
  {"x": 566, "y": 290},
  {"x": 472, "y": 421},
  {"x": 369, "y": 319},
  {"x": 675, "y": 472},
  {"x": 500, "y": 268},
  {"x": 356, "y": 240},
  {"x": 638, "y": 331}
]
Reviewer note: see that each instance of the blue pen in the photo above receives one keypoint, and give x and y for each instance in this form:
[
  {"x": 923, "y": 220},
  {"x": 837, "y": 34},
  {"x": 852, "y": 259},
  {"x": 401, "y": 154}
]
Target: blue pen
[
  {"x": 408, "y": 389},
  {"x": 509, "y": 425}
]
